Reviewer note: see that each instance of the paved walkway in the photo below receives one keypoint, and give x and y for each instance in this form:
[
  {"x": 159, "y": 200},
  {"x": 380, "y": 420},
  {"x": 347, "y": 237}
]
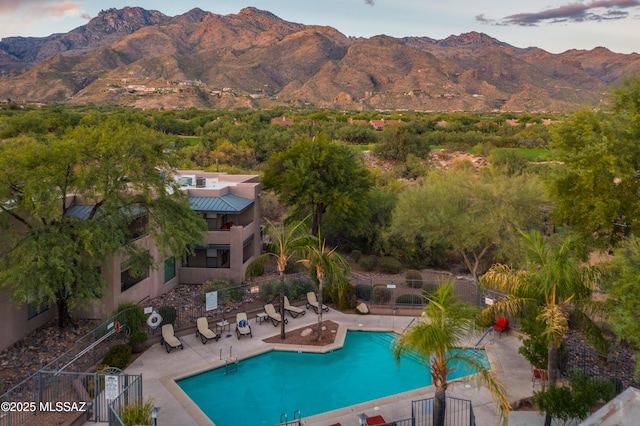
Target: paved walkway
[{"x": 160, "y": 369}]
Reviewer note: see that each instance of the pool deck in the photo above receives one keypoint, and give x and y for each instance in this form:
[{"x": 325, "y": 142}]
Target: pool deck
[{"x": 160, "y": 369}]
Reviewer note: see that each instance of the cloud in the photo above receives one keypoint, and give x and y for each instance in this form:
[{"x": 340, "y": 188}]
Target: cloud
[
  {"x": 370, "y": 2},
  {"x": 597, "y": 10},
  {"x": 42, "y": 8}
]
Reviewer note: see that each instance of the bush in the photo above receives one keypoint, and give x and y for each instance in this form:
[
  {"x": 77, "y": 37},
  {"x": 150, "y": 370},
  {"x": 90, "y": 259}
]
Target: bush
[
  {"x": 118, "y": 356},
  {"x": 228, "y": 291},
  {"x": 413, "y": 278},
  {"x": 368, "y": 262},
  {"x": 356, "y": 255},
  {"x": 168, "y": 314},
  {"x": 381, "y": 294},
  {"x": 363, "y": 292},
  {"x": 134, "y": 316},
  {"x": 409, "y": 299},
  {"x": 269, "y": 291},
  {"x": 137, "y": 414},
  {"x": 428, "y": 288},
  {"x": 138, "y": 337},
  {"x": 390, "y": 265}
]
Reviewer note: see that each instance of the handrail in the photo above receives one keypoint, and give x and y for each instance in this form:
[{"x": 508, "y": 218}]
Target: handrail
[{"x": 482, "y": 338}]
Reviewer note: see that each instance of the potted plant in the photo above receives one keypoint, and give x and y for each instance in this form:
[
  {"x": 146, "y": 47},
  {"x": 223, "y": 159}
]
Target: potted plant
[{"x": 138, "y": 341}]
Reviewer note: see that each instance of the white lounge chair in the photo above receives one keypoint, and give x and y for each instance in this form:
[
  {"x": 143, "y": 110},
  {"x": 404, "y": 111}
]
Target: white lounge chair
[
  {"x": 312, "y": 302},
  {"x": 169, "y": 339},
  {"x": 294, "y": 311},
  {"x": 204, "y": 332},
  {"x": 275, "y": 317},
  {"x": 242, "y": 325}
]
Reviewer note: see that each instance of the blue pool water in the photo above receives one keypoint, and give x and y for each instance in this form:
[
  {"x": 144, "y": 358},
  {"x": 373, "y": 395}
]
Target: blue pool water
[{"x": 266, "y": 386}]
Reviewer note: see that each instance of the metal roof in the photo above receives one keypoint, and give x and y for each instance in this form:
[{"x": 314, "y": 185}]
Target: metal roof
[{"x": 228, "y": 203}]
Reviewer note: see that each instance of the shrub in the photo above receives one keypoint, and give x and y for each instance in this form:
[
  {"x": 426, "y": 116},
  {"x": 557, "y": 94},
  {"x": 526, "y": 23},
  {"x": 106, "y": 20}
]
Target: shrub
[
  {"x": 428, "y": 288},
  {"x": 138, "y": 337},
  {"x": 368, "y": 262},
  {"x": 390, "y": 265},
  {"x": 363, "y": 292},
  {"x": 413, "y": 278},
  {"x": 269, "y": 291},
  {"x": 356, "y": 255},
  {"x": 168, "y": 314},
  {"x": 381, "y": 294},
  {"x": 118, "y": 356},
  {"x": 228, "y": 291},
  {"x": 133, "y": 315},
  {"x": 137, "y": 414},
  {"x": 409, "y": 299}
]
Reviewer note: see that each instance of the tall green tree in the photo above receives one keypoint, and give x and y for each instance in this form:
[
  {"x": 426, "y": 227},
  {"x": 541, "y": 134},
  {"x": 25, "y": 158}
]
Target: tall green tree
[
  {"x": 478, "y": 215},
  {"x": 287, "y": 243},
  {"x": 316, "y": 176},
  {"x": 595, "y": 188},
  {"x": 622, "y": 286},
  {"x": 436, "y": 338},
  {"x": 556, "y": 286},
  {"x": 69, "y": 204},
  {"x": 326, "y": 265}
]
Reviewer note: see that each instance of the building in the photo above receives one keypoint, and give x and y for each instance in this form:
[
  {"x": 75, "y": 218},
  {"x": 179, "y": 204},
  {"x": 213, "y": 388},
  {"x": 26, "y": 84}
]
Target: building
[{"x": 229, "y": 204}]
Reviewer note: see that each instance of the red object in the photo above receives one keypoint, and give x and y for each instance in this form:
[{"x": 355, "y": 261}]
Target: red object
[
  {"x": 502, "y": 324},
  {"x": 375, "y": 420}
]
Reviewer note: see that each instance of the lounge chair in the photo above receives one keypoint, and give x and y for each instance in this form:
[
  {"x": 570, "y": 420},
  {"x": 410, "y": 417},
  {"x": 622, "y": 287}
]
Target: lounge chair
[
  {"x": 294, "y": 311},
  {"x": 275, "y": 317},
  {"x": 377, "y": 420},
  {"x": 501, "y": 326},
  {"x": 204, "y": 332},
  {"x": 312, "y": 302},
  {"x": 169, "y": 339},
  {"x": 242, "y": 325}
]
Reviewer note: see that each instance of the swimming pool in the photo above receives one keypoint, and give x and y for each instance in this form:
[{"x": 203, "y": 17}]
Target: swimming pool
[{"x": 268, "y": 385}]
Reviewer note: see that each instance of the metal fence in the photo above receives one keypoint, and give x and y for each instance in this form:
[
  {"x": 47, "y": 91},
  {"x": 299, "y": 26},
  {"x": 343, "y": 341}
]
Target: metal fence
[
  {"x": 396, "y": 292},
  {"x": 130, "y": 395},
  {"x": 49, "y": 383},
  {"x": 458, "y": 412}
]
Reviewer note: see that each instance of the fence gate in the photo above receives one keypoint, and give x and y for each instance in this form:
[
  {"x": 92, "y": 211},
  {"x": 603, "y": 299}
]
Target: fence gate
[{"x": 458, "y": 412}]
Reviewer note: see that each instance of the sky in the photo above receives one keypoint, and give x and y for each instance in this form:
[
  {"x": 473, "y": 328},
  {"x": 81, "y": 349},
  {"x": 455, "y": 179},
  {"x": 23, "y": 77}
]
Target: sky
[{"x": 555, "y": 26}]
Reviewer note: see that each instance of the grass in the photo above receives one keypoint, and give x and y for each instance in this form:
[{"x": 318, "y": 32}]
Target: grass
[
  {"x": 191, "y": 140},
  {"x": 531, "y": 154}
]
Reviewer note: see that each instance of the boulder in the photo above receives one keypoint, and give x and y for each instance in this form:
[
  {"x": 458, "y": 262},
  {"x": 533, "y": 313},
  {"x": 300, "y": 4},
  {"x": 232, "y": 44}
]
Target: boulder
[
  {"x": 362, "y": 308},
  {"x": 306, "y": 332}
]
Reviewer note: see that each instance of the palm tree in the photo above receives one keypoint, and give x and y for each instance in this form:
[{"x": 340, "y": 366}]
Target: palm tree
[
  {"x": 442, "y": 328},
  {"x": 555, "y": 287},
  {"x": 286, "y": 243},
  {"x": 325, "y": 264}
]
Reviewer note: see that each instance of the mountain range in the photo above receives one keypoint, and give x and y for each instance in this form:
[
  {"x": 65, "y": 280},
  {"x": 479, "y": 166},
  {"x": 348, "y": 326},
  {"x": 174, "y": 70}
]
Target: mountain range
[{"x": 143, "y": 58}]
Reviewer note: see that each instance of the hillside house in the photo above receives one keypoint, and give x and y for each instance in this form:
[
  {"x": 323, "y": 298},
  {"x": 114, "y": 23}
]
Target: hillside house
[
  {"x": 378, "y": 125},
  {"x": 283, "y": 121}
]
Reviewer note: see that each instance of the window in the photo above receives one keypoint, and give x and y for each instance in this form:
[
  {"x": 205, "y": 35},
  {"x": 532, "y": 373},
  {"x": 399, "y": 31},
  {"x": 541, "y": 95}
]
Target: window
[
  {"x": 169, "y": 269},
  {"x": 33, "y": 310},
  {"x": 128, "y": 278},
  {"x": 211, "y": 256}
]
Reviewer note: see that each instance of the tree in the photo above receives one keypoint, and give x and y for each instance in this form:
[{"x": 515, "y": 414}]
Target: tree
[
  {"x": 556, "y": 286},
  {"x": 326, "y": 265},
  {"x": 316, "y": 176},
  {"x": 435, "y": 338},
  {"x": 286, "y": 243},
  {"x": 67, "y": 205},
  {"x": 622, "y": 287},
  {"x": 477, "y": 215},
  {"x": 596, "y": 187}
]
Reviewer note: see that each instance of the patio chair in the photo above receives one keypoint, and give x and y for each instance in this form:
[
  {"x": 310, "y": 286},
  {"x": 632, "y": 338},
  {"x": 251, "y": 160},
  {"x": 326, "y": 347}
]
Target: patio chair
[
  {"x": 204, "y": 332},
  {"x": 242, "y": 325},
  {"x": 501, "y": 326},
  {"x": 538, "y": 375},
  {"x": 312, "y": 302},
  {"x": 275, "y": 317},
  {"x": 294, "y": 311},
  {"x": 169, "y": 339}
]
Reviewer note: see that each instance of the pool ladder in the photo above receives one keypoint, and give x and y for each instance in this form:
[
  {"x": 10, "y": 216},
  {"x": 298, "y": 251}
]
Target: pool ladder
[
  {"x": 231, "y": 362},
  {"x": 297, "y": 418}
]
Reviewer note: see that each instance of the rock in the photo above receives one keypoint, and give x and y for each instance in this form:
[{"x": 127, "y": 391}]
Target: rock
[
  {"x": 306, "y": 332},
  {"x": 363, "y": 308}
]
